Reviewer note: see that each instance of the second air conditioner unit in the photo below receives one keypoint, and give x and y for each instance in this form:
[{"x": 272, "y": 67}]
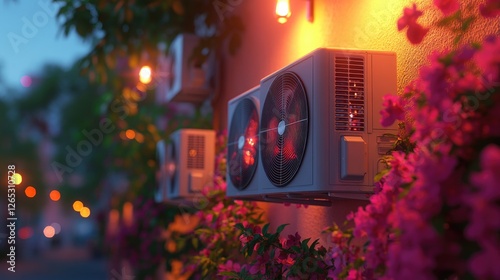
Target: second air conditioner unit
[
  {"x": 188, "y": 166},
  {"x": 183, "y": 81}
]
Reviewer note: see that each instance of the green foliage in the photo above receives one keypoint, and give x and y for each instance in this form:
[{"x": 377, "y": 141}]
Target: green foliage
[
  {"x": 134, "y": 29},
  {"x": 271, "y": 257}
]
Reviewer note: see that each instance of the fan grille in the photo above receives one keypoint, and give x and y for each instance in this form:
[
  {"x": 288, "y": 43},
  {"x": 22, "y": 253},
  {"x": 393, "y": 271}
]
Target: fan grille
[
  {"x": 349, "y": 89},
  {"x": 284, "y": 128},
  {"x": 243, "y": 142},
  {"x": 196, "y": 152}
]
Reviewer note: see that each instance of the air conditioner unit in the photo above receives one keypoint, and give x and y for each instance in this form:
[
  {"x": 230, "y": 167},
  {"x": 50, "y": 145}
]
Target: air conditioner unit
[
  {"x": 188, "y": 166},
  {"x": 320, "y": 132},
  {"x": 243, "y": 145},
  {"x": 185, "y": 81}
]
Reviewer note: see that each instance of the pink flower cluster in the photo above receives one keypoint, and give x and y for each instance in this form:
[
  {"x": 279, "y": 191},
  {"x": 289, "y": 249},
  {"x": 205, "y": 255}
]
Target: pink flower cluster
[
  {"x": 436, "y": 206},
  {"x": 284, "y": 258},
  {"x": 484, "y": 223}
]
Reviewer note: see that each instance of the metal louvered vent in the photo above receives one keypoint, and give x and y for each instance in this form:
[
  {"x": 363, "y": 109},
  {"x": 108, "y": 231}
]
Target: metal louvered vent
[
  {"x": 196, "y": 152},
  {"x": 349, "y": 92}
]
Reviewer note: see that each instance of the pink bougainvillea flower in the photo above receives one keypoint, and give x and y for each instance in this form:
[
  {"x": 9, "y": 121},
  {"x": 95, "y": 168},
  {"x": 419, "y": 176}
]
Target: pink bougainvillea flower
[
  {"x": 488, "y": 59},
  {"x": 490, "y": 9},
  {"x": 415, "y": 32},
  {"x": 354, "y": 275},
  {"x": 484, "y": 265},
  {"x": 230, "y": 266},
  {"x": 393, "y": 110},
  {"x": 292, "y": 240},
  {"x": 447, "y": 7},
  {"x": 410, "y": 16},
  {"x": 260, "y": 265}
]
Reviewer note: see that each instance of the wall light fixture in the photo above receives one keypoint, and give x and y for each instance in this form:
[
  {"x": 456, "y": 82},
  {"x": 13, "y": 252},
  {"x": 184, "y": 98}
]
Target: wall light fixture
[{"x": 283, "y": 11}]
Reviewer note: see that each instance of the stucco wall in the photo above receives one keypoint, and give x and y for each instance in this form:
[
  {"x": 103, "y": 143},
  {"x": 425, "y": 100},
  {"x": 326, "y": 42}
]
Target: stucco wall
[{"x": 359, "y": 24}]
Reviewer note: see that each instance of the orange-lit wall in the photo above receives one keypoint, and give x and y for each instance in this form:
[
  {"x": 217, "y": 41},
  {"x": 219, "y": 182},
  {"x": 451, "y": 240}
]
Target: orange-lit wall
[{"x": 359, "y": 24}]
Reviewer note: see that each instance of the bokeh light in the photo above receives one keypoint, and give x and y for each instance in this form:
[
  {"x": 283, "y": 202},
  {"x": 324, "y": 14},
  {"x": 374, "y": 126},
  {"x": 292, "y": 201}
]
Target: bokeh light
[
  {"x": 49, "y": 231},
  {"x": 57, "y": 227},
  {"x": 25, "y": 232},
  {"x": 17, "y": 178},
  {"x": 139, "y": 137},
  {"x": 77, "y": 205},
  {"x": 130, "y": 133},
  {"x": 145, "y": 75},
  {"x": 85, "y": 212},
  {"x": 55, "y": 195},
  {"x": 26, "y": 81},
  {"x": 30, "y": 191}
]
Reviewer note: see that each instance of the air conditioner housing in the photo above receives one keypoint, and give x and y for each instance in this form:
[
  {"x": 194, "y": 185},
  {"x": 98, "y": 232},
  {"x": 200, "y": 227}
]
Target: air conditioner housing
[
  {"x": 236, "y": 189},
  {"x": 343, "y": 152},
  {"x": 160, "y": 192},
  {"x": 185, "y": 81},
  {"x": 188, "y": 166}
]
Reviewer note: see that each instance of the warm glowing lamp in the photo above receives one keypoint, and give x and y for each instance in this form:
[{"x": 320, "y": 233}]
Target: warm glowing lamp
[
  {"x": 49, "y": 231},
  {"x": 17, "y": 178},
  {"x": 77, "y": 205},
  {"x": 85, "y": 212},
  {"x": 30, "y": 191},
  {"x": 130, "y": 134},
  {"x": 55, "y": 195},
  {"x": 128, "y": 213},
  {"x": 283, "y": 10},
  {"x": 145, "y": 74}
]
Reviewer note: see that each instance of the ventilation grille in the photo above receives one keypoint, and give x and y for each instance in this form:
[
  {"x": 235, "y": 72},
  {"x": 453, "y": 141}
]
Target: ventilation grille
[
  {"x": 196, "y": 152},
  {"x": 349, "y": 92}
]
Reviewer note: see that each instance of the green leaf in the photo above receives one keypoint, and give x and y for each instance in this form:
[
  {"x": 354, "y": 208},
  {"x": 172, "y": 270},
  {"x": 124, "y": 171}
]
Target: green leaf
[
  {"x": 304, "y": 244},
  {"x": 231, "y": 274},
  {"x": 281, "y": 228},
  {"x": 265, "y": 228},
  {"x": 195, "y": 242},
  {"x": 313, "y": 245},
  {"x": 239, "y": 226}
]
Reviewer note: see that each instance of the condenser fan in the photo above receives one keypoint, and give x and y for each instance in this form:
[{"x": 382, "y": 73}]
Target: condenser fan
[
  {"x": 243, "y": 142},
  {"x": 284, "y": 128}
]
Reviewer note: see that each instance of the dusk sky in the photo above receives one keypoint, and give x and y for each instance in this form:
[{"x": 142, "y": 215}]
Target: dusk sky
[{"x": 30, "y": 37}]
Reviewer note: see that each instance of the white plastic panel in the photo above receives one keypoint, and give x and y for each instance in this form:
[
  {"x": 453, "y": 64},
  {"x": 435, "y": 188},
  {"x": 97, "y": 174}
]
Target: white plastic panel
[{"x": 353, "y": 160}]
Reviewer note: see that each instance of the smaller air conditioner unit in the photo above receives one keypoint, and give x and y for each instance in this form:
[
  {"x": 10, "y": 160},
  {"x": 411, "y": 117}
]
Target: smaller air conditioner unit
[
  {"x": 243, "y": 145},
  {"x": 187, "y": 167},
  {"x": 185, "y": 81}
]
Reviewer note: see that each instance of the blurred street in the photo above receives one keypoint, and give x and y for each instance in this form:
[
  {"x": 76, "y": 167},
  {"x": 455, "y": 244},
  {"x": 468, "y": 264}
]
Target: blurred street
[{"x": 60, "y": 264}]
